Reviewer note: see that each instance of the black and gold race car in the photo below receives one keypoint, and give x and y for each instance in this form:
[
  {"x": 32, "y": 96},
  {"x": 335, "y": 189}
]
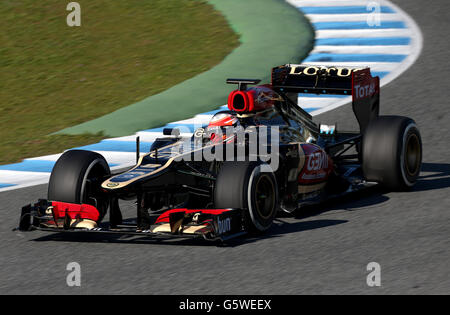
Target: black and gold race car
[{"x": 263, "y": 155}]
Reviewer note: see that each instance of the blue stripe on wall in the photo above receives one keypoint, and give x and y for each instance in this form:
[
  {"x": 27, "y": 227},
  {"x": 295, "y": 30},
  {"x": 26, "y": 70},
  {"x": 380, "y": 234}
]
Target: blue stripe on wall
[
  {"x": 357, "y": 25},
  {"x": 6, "y": 185},
  {"x": 30, "y": 166},
  {"x": 324, "y": 57},
  {"x": 119, "y": 146},
  {"x": 309, "y": 110},
  {"x": 40, "y": 166},
  {"x": 380, "y": 74},
  {"x": 344, "y": 10},
  {"x": 375, "y": 41}
]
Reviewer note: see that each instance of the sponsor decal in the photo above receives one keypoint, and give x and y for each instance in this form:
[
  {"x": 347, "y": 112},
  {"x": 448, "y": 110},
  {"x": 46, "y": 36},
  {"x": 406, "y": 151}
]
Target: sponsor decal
[
  {"x": 327, "y": 130},
  {"x": 164, "y": 154},
  {"x": 315, "y": 70},
  {"x": 313, "y": 176},
  {"x": 317, "y": 166},
  {"x": 317, "y": 161},
  {"x": 111, "y": 185},
  {"x": 223, "y": 226},
  {"x": 129, "y": 175},
  {"x": 133, "y": 174},
  {"x": 199, "y": 132},
  {"x": 363, "y": 91}
]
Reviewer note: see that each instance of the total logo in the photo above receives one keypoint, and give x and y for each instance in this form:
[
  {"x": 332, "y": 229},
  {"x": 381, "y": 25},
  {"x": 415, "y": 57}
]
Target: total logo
[
  {"x": 223, "y": 226},
  {"x": 317, "y": 161},
  {"x": 363, "y": 91}
]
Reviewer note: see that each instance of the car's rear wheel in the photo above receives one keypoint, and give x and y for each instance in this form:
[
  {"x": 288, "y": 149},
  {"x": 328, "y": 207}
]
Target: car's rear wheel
[
  {"x": 77, "y": 177},
  {"x": 249, "y": 186},
  {"x": 392, "y": 152}
]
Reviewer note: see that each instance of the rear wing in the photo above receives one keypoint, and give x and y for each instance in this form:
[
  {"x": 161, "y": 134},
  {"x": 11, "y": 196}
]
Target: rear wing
[{"x": 357, "y": 82}]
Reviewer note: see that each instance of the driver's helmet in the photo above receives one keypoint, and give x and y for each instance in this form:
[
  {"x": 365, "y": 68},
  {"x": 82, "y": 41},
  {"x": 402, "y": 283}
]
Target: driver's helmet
[{"x": 218, "y": 127}]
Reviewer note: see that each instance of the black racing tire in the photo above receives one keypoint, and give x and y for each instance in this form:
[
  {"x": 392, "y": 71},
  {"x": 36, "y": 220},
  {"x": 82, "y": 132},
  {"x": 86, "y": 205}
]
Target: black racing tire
[
  {"x": 245, "y": 185},
  {"x": 76, "y": 178},
  {"x": 392, "y": 152}
]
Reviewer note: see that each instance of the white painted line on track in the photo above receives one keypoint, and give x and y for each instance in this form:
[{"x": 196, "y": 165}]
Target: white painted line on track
[
  {"x": 365, "y": 33},
  {"x": 314, "y": 18},
  {"x": 400, "y": 49},
  {"x": 52, "y": 157},
  {"x": 22, "y": 179},
  {"x": 328, "y": 3}
]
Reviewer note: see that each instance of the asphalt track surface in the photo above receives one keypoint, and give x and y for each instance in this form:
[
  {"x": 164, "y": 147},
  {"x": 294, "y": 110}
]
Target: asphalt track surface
[{"x": 322, "y": 251}]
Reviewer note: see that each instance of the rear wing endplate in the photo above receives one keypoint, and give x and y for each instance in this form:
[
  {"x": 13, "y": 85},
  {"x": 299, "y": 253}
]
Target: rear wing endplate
[{"x": 357, "y": 82}]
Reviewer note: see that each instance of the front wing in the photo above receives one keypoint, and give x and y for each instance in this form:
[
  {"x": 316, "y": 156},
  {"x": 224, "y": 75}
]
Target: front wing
[{"x": 208, "y": 224}]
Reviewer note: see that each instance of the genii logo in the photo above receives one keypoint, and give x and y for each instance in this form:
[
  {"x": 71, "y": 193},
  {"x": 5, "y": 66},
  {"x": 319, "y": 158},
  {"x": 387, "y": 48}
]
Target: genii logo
[
  {"x": 317, "y": 161},
  {"x": 223, "y": 226},
  {"x": 317, "y": 165}
]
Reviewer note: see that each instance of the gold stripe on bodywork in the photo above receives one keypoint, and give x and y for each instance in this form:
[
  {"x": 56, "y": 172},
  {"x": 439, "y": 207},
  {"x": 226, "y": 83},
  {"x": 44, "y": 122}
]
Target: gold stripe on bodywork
[{"x": 118, "y": 185}]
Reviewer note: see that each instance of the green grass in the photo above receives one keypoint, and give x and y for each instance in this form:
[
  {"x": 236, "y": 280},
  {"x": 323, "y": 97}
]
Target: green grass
[
  {"x": 272, "y": 33},
  {"x": 53, "y": 76}
]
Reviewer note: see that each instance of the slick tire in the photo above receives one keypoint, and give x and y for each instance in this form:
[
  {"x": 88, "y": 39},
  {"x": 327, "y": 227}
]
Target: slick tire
[
  {"x": 249, "y": 186},
  {"x": 392, "y": 152},
  {"x": 76, "y": 178}
]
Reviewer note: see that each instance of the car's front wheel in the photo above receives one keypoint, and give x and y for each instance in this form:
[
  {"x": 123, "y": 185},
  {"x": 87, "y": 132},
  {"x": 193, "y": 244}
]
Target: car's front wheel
[
  {"x": 77, "y": 177},
  {"x": 251, "y": 186}
]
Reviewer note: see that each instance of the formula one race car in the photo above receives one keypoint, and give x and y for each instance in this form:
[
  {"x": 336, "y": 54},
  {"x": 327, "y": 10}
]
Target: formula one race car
[{"x": 263, "y": 155}]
